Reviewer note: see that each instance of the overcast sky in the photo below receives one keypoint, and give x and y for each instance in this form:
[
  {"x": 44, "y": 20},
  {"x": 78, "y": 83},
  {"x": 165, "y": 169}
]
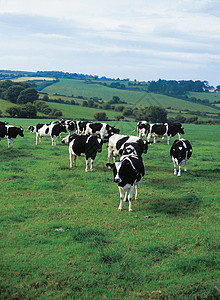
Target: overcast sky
[{"x": 142, "y": 39}]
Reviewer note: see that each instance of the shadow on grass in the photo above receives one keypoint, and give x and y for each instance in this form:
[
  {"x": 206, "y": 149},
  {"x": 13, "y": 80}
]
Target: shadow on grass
[{"x": 176, "y": 206}]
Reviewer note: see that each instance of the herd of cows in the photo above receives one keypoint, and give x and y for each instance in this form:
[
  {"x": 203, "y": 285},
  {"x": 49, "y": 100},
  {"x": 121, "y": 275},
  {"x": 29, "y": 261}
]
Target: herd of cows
[{"x": 86, "y": 139}]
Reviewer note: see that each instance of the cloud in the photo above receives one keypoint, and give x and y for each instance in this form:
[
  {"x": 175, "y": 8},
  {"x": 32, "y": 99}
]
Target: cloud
[{"x": 102, "y": 36}]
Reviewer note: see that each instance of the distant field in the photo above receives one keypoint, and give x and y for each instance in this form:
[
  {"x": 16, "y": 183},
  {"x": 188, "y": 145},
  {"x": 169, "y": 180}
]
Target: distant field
[
  {"x": 5, "y": 105},
  {"x": 20, "y": 79},
  {"x": 62, "y": 236},
  {"x": 77, "y": 88},
  {"x": 212, "y": 97},
  {"x": 81, "y": 112}
]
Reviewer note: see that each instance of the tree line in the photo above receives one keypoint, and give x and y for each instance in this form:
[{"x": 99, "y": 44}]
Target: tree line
[{"x": 26, "y": 98}]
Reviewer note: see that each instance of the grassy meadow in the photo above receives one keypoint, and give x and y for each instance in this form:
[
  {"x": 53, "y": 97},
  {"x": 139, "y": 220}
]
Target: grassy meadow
[
  {"x": 62, "y": 236},
  {"x": 69, "y": 87}
]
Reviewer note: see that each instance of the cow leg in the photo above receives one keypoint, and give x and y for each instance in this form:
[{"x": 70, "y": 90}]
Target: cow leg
[
  {"x": 130, "y": 198},
  {"x": 36, "y": 138},
  {"x": 87, "y": 164},
  {"x": 71, "y": 158},
  {"x": 180, "y": 167},
  {"x": 91, "y": 165},
  {"x": 121, "y": 192},
  {"x": 155, "y": 139},
  {"x": 74, "y": 161},
  {"x": 109, "y": 156},
  {"x": 40, "y": 139},
  {"x": 175, "y": 166},
  {"x": 136, "y": 192},
  {"x": 185, "y": 169},
  {"x": 179, "y": 135},
  {"x": 12, "y": 142},
  {"x": 8, "y": 143},
  {"x": 168, "y": 140}
]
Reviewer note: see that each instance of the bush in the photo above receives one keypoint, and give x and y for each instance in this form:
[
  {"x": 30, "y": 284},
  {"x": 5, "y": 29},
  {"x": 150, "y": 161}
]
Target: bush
[{"x": 100, "y": 116}]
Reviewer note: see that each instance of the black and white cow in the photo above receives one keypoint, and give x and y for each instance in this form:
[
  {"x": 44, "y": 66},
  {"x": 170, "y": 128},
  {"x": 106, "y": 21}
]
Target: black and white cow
[
  {"x": 10, "y": 132},
  {"x": 119, "y": 143},
  {"x": 103, "y": 130},
  {"x": 180, "y": 152},
  {"x": 81, "y": 126},
  {"x": 52, "y": 130},
  {"x": 162, "y": 130},
  {"x": 71, "y": 126},
  {"x": 141, "y": 129},
  {"x": 128, "y": 173},
  {"x": 83, "y": 145},
  {"x": 3, "y": 123}
]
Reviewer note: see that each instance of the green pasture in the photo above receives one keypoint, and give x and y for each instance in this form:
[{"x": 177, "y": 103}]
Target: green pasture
[
  {"x": 62, "y": 236},
  {"x": 77, "y": 88},
  {"x": 212, "y": 97},
  {"x": 81, "y": 112}
]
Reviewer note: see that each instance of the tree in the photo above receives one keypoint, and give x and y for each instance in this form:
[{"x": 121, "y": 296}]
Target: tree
[
  {"x": 90, "y": 103},
  {"x": 119, "y": 108},
  {"x": 27, "y": 110},
  {"x": 27, "y": 95},
  {"x": 127, "y": 111},
  {"x": 100, "y": 116},
  {"x": 115, "y": 100},
  {"x": 85, "y": 103},
  {"x": 13, "y": 93},
  {"x": 42, "y": 106},
  {"x": 13, "y": 111},
  {"x": 156, "y": 114},
  {"x": 119, "y": 117},
  {"x": 45, "y": 98}
]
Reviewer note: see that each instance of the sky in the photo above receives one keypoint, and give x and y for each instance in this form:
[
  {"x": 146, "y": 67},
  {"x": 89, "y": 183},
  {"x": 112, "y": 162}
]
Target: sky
[{"x": 143, "y": 39}]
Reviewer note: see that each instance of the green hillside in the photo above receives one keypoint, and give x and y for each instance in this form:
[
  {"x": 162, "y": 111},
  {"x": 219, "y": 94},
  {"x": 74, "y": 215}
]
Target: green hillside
[
  {"x": 74, "y": 87},
  {"x": 81, "y": 112}
]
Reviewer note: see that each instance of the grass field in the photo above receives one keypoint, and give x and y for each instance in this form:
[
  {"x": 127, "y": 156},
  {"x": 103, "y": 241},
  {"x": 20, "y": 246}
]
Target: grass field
[
  {"x": 77, "y": 88},
  {"x": 62, "y": 236}
]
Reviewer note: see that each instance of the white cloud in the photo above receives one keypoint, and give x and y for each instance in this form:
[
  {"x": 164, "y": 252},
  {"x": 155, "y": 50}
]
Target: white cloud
[{"x": 112, "y": 35}]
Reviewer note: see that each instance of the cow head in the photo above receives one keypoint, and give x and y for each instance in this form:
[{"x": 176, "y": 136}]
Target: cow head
[
  {"x": 112, "y": 130},
  {"x": 181, "y": 130},
  {"x": 62, "y": 127},
  {"x": 116, "y": 170},
  {"x": 21, "y": 131},
  {"x": 31, "y": 128}
]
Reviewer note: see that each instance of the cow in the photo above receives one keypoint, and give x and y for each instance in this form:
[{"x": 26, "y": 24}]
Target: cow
[
  {"x": 52, "y": 130},
  {"x": 34, "y": 129},
  {"x": 10, "y": 132},
  {"x": 3, "y": 123},
  {"x": 81, "y": 126},
  {"x": 180, "y": 152},
  {"x": 128, "y": 173},
  {"x": 83, "y": 145},
  {"x": 103, "y": 130},
  {"x": 117, "y": 143},
  {"x": 162, "y": 130},
  {"x": 141, "y": 129},
  {"x": 71, "y": 126}
]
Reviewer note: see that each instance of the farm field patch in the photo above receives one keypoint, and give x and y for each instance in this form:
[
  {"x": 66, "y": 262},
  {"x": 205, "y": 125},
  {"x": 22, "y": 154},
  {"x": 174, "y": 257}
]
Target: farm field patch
[{"x": 63, "y": 237}]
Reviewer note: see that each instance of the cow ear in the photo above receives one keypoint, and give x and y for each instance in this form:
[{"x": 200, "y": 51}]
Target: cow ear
[{"x": 110, "y": 166}]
